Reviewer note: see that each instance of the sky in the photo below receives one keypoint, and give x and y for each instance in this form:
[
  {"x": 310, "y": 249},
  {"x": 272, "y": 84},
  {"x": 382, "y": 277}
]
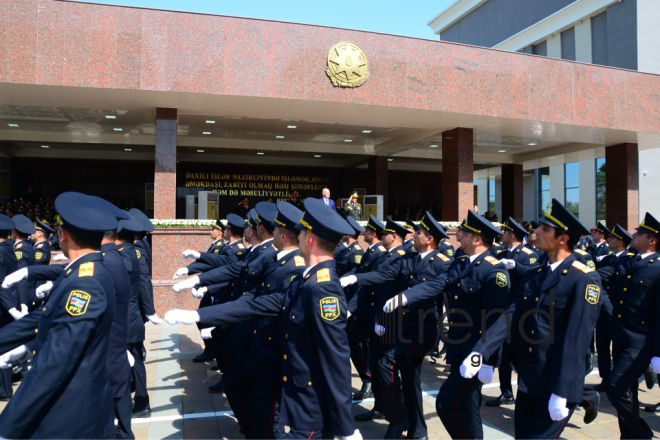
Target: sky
[{"x": 397, "y": 17}]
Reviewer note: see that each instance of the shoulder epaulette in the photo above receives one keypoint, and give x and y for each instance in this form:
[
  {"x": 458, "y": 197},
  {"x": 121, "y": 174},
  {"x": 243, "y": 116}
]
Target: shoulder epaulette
[
  {"x": 401, "y": 252},
  {"x": 443, "y": 257},
  {"x": 323, "y": 275},
  {"x": 492, "y": 260},
  {"x": 299, "y": 261},
  {"x": 630, "y": 254},
  {"x": 382, "y": 248},
  {"x": 525, "y": 250},
  {"x": 86, "y": 269},
  {"x": 18, "y": 246},
  {"x": 273, "y": 246},
  {"x": 581, "y": 252},
  {"x": 240, "y": 246},
  {"x": 584, "y": 268},
  {"x": 357, "y": 247}
]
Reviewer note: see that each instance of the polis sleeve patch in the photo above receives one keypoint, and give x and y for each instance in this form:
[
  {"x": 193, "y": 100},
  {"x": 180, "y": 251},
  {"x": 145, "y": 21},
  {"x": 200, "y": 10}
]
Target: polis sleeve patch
[
  {"x": 501, "y": 280},
  {"x": 591, "y": 265},
  {"x": 38, "y": 255},
  {"x": 582, "y": 267},
  {"x": 533, "y": 260},
  {"x": 19, "y": 255},
  {"x": 401, "y": 252},
  {"x": 299, "y": 261},
  {"x": 77, "y": 303},
  {"x": 329, "y": 308},
  {"x": 86, "y": 269},
  {"x": 139, "y": 255},
  {"x": 216, "y": 251},
  {"x": 358, "y": 259},
  {"x": 592, "y": 294},
  {"x": 450, "y": 252},
  {"x": 323, "y": 275}
]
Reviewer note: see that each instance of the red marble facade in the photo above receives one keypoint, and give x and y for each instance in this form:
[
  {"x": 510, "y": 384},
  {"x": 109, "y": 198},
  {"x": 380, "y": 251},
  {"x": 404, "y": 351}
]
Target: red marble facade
[
  {"x": 165, "y": 179},
  {"x": 512, "y": 192}
]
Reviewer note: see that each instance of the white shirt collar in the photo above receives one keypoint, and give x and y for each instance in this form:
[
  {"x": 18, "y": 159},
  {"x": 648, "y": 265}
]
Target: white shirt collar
[
  {"x": 600, "y": 244},
  {"x": 234, "y": 242},
  {"x": 647, "y": 254},
  {"x": 474, "y": 257},
  {"x": 263, "y": 243},
  {"x": 619, "y": 253},
  {"x": 283, "y": 253},
  {"x": 423, "y": 255},
  {"x": 308, "y": 269},
  {"x": 553, "y": 266},
  {"x": 69, "y": 265},
  {"x": 372, "y": 246}
]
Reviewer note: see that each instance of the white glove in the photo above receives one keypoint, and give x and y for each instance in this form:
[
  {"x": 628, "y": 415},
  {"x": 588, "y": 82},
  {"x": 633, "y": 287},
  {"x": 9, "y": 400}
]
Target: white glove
[
  {"x": 557, "y": 408},
  {"x": 131, "y": 359},
  {"x": 471, "y": 365},
  {"x": 180, "y": 272},
  {"x": 205, "y": 333},
  {"x": 15, "y": 277},
  {"x": 186, "y": 284},
  {"x": 15, "y": 313},
  {"x": 348, "y": 314},
  {"x": 393, "y": 303},
  {"x": 347, "y": 280},
  {"x": 486, "y": 373},
  {"x": 177, "y": 316},
  {"x": 509, "y": 264},
  {"x": 43, "y": 290},
  {"x": 24, "y": 309},
  {"x": 60, "y": 257},
  {"x": 379, "y": 329},
  {"x": 8, "y": 359},
  {"x": 355, "y": 436},
  {"x": 655, "y": 364},
  {"x": 154, "y": 319},
  {"x": 599, "y": 259},
  {"x": 191, "y": 254},
  {"x": 199, "y": 293}
]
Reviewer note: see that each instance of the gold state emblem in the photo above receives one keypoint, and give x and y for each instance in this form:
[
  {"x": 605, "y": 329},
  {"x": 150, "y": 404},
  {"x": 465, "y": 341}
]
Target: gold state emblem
[{"x": 347, "y": 65}]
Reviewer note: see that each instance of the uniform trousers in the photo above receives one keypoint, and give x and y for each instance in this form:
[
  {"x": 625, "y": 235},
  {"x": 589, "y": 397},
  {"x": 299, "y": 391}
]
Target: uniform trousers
[
  {"x": 505, "y": 371},
  {"x": 266, "y": 409},
  {"x": 206, "y": 301},
  {"x": 603, "y": 342},
  {"x": 622, "y": 386},
  {"x": 238, "y": 384},
  {"x": 403, "y": 397},
  {"x": 5, "y": 383},
  {"x": 358, "y": 337},
  {"x": 458, "y": 404},
  {"x": 532, "y": 418},
  {"x": 123, "y": 409},
  {"x": 139, "y": 376}
]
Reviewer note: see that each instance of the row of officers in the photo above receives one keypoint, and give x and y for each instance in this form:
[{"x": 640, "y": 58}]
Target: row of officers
[
  {"x": 81, "y": 324},
  {"x": 285, "y": 316}
]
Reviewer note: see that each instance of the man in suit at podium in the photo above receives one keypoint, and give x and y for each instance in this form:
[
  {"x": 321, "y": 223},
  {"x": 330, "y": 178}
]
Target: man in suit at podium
[{"x": 327, "y": 200}]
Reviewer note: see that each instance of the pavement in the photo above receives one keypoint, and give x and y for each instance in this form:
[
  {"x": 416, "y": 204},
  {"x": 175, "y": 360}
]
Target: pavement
[{"x": 183, "y": 408}]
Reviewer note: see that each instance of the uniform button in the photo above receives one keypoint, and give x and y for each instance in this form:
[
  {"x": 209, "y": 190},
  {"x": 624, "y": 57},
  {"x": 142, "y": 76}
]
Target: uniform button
[
  {"x": 530, "y": 349},
  {"x": 309, "y": 384},
  {"x": 423, "y": 279},
  {"x": 286, "y": 336},
  {"x": 532, "y": 331},
  {"x": 255, "y": 332},
  {"x": 262, "y": 284},
  {"x": 36, "y": 331},
  {"x": 284, "y": 378},
  {"x": 34, "y": 352},
  {"x": 525, "y": 298},
  {"x": 450, "y": 323},
  {"x": 293, "y": 316},
  {"x": 372, "y": 293},
  {"x": 283, "y": 308},
  {"x": 372, "y": 304},
  {"x": 536, "y": 299},
  {"x": 269, "y": 285},
  {"x": 620, "y": 302},
  {"x": 470, "y": 289},
  {"x": 618, "y": 316},
  {"x": 411, "y": 277},
  {"x": 628, "y": 276},
  {"x": 269, "y": 338},
  {"x": 641, "y": 281},
  {"x": 284, "y": 357},
  {"x": 458, "y": 284},
  {"x": 43, "y": 310},
  {"x": 642, "y": 322}
]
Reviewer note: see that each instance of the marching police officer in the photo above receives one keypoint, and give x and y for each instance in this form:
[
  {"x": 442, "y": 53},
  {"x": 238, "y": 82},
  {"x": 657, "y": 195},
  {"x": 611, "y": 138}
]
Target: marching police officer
[
  {"x": 41, "y": 245},
  {"x": 599, "y": 247},
  {"x": 316, "y": 376},
  {"x": 66, "y": 393},
  {"x": 512, "y": 239},
  {"x": 9, "y": 304},
  {"x": 25, "y": 255},
  {"x": 475, "y": 283},
  {"x": 634, "y": 289},
  {"x": 409, "y": 242},
  {"x": 350, "y": 255},
  {"x": 141, "y": 241},
  {"x": 552, "y": 320}
]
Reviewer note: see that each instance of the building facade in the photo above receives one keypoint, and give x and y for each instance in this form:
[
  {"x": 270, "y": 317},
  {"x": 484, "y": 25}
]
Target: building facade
[{"x": 616, "y": 33}]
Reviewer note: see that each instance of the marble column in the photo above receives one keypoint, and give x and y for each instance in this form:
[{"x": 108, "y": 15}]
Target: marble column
[
  {"x": 457, "y": 174},
  {"x": 165, "y": 179},
  {"x": 622, "y": 185},
  {"x": 512, "y": 192}
]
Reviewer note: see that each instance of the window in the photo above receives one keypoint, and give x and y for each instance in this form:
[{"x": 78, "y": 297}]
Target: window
[
  {"x": 544, "y": 190},
  {"x": 491, "y": 196},
  {"x": 600, "y": 190},
  {"x": 572, "y": 188}
]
